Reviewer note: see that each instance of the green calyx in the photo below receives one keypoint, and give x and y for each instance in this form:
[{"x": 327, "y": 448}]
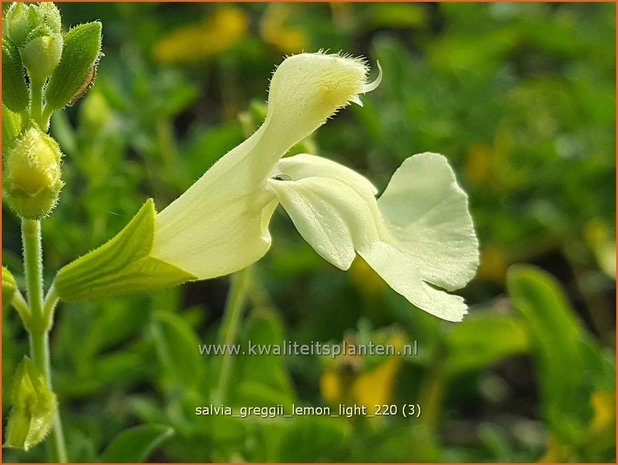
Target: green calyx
[
  {"x": 34, "y": 406},
  {"x": 33, "y": 170},
  {"x": 121, "y": 266}
]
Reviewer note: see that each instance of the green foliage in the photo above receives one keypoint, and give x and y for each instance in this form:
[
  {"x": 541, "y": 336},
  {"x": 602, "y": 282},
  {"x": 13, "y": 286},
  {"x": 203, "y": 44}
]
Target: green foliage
[
  {"x": 9, "y": 287},
  {"x": 15, "y": 93},
  {"x": 176, "y": 346},
  {"x": 11, "y": 127},
  {"x": 136, "y": 444},
  {"x": 483, "y": 340},
  {"x": 571, "y": 366}
]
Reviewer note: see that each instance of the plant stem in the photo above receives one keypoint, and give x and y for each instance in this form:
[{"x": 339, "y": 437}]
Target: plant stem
[
  {"x": 21, "y": 306},
  {"x": 39, "y": 327},
  {"x": 49, "y": 305},
  {"x": 45, "y": 118},
  {"x": 229, "y": 327},
  {"x": 36, "y": 103},
  {"x": 431, "y": 396}
]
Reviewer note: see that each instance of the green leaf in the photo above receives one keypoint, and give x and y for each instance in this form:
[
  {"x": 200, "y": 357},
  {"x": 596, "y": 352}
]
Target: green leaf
[
  {"x": 310, "y": 439},
  {"x": 120, "y": 266},
  {"x": 9, "y": 287},
  {"x": 557, "y": 343},
  {"x": 11, "y": 127},
  {"x": 262, "y": 380},
  {"x": 34, "y": 406},
  {"x": 136, "y": 444},
  {"x": 177, "y": 346},
  {"x": 482, "y": 340},
  {"x": 76, "y": 71},
  {"x": 14, "y": 91}
]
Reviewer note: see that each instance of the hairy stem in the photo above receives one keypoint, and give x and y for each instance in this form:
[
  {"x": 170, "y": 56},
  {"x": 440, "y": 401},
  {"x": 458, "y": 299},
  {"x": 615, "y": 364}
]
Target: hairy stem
[
  {"x": 39, "y": 324},
  {"x": 21, "y": 306},
  {"x": 36, "y": 104}
]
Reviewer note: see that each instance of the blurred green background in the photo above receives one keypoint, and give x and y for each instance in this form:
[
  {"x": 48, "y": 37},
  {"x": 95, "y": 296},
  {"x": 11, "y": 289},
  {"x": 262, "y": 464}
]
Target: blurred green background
[{"x": 519, "y": 97}]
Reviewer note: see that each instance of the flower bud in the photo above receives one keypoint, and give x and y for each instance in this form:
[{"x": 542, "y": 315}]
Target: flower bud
[
  {"x": 17, "y": 22},
  {"x": 33, "y": 173},
  {"x": 49, "y": 16},
  {"x": 41, "y": 56},
  {"x": 34, "y": 407}
]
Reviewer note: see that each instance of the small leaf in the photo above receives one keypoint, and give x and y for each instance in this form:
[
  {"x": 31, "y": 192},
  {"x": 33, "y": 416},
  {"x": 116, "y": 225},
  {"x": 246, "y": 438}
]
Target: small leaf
[
  {"x": 557, "y": 342},
  {"x": 310, "y": 439},
  {"x": 482, "y": 340},
  {"x": 120, "y": 266},
  {"x": 9, "y": 286},
  {"x": 34, "y": 406},
  {"x": 136, "y": 444},
  {"x": 176, "y": 345},
  {"x": 82, "y": 46},
  {"x": 14, "y": 91},
  {"x": 255, "y": 379},
  {"x": 11, "y": 127}
]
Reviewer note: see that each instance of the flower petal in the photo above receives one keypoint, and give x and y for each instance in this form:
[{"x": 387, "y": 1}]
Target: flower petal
[
  {"x": 428, "y": 216},
  {"x": 400, "y": 271},
  {"x": 330, "y": 215},
  {"x": 304, "y": 166},
  {"x": 418, "y": 234},
  {"x": 220, "y": 224}
]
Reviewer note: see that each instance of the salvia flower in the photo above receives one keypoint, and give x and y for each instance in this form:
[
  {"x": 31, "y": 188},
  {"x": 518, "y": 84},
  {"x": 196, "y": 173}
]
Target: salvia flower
[{"x": 418, "y": 235}]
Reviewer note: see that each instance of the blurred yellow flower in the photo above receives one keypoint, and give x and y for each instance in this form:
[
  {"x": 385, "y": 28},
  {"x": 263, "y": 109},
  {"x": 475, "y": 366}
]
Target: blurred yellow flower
[
  {"x": 494, "y": 263},
  {"x": 349, "y": 380},
  {"x": 604, "y": 405},
  {"x": 376, "y": 386},
  {"x": 274, "y": 30},
  {"x": 478, "y": 167},
  {"x": 367, "y": 281},
  {"x": 213, "y": 35},
  {"x": 600, "y": 239}
]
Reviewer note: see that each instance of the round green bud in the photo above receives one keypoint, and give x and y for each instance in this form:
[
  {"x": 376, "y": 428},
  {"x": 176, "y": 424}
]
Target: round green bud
[
  {"x": 41, "y": 56},
  {"x": 49, "y": 16},
  {"x": 32, "y": 174},
  {"x": 17, "y": 22}
]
